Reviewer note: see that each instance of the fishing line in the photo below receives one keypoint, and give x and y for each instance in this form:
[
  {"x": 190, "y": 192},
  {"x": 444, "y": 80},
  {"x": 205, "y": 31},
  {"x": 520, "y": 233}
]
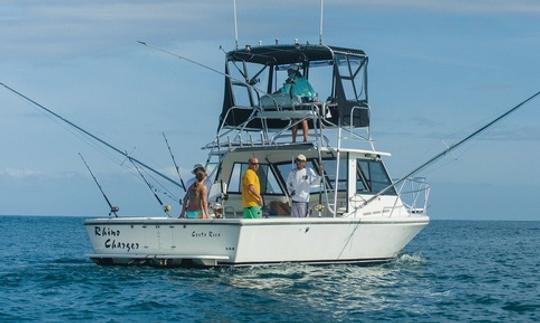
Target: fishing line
[
  {"x": 89, "y": 134},
  {"x": 174, "y": 162},
  {"x": 151, "y": 188},
  {"x": 209, "y": 68},
  {"x": 112, "y": 209},
  {"x": 164, "y": 190},
  {"x": 452, "y": 147}
]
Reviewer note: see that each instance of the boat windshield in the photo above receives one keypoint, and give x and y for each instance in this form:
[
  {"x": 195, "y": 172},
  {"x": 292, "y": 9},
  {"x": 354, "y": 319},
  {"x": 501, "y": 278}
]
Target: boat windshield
[
  {"x": 371, "y": 177},
  {"x": 268, "y": 180}
]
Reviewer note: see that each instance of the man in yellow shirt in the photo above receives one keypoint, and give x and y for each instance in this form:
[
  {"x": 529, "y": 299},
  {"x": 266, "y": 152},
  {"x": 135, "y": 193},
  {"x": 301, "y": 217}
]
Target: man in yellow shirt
[{"x": 252, "y": 200}]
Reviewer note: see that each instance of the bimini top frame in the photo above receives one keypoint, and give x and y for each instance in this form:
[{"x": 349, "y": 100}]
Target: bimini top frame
[{"x": 346, "y": 105}]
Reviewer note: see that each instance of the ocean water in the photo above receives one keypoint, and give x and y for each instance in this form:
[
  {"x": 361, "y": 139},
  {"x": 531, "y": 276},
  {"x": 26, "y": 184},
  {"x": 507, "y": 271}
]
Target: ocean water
[{"x": 454, "y": 270}]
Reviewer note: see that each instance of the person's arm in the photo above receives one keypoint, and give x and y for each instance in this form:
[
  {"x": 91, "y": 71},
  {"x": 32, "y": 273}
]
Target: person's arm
[
  {"x": 204, "y": 201},
  {"x": 252, "y": 191},
  {"x": 314, "y": 177},
  {"x": 290, "y": 185}
]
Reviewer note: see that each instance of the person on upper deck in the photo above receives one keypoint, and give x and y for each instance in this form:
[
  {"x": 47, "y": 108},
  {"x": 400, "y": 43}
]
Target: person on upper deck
[
  {"x": 252, "y": 200},
  {"x": 299, "y": 183},
  {"x": 195, "y": 203},
  {"x": 297, "y": 85}
]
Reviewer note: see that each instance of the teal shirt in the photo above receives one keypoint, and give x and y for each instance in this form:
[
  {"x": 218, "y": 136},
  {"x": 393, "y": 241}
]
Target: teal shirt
[{"x": 301, "y": 88}]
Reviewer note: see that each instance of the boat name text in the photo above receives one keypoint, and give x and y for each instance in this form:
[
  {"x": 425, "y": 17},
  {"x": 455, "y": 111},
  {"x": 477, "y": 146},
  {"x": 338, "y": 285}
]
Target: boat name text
[
  {"x": 113, "y": 244},
  {"x": 106, "y": 232},
  {"x": 202, "y": 234}
]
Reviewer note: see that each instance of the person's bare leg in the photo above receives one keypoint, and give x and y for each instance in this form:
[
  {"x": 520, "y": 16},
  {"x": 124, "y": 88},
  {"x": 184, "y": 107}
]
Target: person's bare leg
[
  {"x": 294, "y": 130},
  {"x": 306, "y": 130}
]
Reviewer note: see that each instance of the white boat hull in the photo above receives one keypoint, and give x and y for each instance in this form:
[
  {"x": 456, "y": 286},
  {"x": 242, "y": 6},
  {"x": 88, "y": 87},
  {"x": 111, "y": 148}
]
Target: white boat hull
[{"x": 166, "y": 241}]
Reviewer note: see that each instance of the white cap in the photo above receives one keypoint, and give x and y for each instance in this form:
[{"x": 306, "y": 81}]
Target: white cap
[{"x": 301, "y": 157}]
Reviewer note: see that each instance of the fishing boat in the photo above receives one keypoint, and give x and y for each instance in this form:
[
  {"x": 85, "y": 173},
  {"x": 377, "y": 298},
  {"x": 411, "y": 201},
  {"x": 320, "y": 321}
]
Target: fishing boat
[{"x": 357, "y": 213}]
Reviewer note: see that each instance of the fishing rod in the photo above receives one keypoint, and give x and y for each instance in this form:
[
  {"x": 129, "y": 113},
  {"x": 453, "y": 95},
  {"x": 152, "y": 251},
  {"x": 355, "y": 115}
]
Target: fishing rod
[
  {"x": 89, "y": 134},
  {"x": 113, "y": 209},
  {"x": 174, "y": 162},
  {"x": 248, "y": 83},
  {"x": 166, "y": 208},
  {"x": 452, "y": 147}
]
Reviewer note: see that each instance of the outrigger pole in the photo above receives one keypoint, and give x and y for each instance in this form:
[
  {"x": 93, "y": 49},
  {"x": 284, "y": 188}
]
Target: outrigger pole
[
  {"x": 170, "y": 53},
  {"x": 125, "y": 154},
  {"x": 113, "y": 209},
  {"x": 452, "y": 147},
  {"x": 166, "y": 208},
  {"x": 174, "y": 162}
]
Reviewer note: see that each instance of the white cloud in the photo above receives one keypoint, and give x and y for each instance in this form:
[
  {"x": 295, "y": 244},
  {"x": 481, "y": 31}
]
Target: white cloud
[
  {"x": 68, "y": 28},
  {"x": 527, "y": 7},
  {"x": 20, "y": 173}
]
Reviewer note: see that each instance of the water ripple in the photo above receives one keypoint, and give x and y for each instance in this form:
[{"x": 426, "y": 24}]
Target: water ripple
[{"x": 461, "y": 271}]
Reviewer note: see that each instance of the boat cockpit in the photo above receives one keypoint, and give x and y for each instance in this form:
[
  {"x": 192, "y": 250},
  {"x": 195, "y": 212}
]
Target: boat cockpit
[{"x": 357, "y": 174}]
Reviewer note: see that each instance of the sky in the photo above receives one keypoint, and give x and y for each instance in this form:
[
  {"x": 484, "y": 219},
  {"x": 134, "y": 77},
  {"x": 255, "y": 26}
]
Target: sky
[{"x": 438, "y": 70}]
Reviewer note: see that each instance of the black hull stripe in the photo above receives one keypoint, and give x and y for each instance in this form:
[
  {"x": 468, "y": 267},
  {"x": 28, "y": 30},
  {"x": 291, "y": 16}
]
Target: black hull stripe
[
  {"x": 261, "y": 263},
  {"x": 314, "y": 262}
]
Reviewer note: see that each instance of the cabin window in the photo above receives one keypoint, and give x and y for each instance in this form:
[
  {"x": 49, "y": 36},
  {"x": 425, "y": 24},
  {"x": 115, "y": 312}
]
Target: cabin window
[
  {"x": 269, "y": 183},
  {"x": 371, "y": 177},
  {"x": 330, "y": 170},
  {"x": 285, "y": 168}
]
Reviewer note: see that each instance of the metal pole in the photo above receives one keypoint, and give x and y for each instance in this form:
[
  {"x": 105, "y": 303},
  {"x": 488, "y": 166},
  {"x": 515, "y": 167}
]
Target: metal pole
[
  {"x": 321, "y": 23},
  {"x": 235, "y": 25},
  {"x": 151, "y": 188},
  {"x": 123, "y": 153},
  {"x": 112, "y": 209},
  {"x": 174, "y": 162},
  {"x": 452, "y": 147},
  {"x": 337, "y": 166},
  {"x": 322, "y": 184}
]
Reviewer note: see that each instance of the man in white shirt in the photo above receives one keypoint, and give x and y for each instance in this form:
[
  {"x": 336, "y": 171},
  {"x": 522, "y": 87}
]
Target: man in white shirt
[{"x": 299, "y": 183}]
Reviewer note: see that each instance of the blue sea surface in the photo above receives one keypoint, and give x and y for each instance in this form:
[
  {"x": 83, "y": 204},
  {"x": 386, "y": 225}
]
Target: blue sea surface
[{"x": 454, "y": 270}]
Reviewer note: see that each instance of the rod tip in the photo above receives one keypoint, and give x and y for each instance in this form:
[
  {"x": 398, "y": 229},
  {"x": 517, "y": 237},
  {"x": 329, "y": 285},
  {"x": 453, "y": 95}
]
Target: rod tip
[{"x": 142, "y": 43}]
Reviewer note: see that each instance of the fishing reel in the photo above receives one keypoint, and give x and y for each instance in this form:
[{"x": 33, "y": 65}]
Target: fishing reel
[{"x": 114, "y": 210}]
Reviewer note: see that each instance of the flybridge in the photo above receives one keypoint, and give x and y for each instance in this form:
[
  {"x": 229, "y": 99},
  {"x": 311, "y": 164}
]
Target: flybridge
[{"x": 261, "y": 70}]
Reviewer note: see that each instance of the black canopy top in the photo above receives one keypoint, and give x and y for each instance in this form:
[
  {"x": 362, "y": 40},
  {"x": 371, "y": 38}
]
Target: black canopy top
[
  {"x": 289, "y": 54},
  {"x": 348, "y": 93}
]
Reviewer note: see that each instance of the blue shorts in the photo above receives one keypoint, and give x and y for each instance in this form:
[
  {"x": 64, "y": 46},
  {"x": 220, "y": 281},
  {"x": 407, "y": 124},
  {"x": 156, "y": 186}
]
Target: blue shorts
[{"x": 198, "y": 214}]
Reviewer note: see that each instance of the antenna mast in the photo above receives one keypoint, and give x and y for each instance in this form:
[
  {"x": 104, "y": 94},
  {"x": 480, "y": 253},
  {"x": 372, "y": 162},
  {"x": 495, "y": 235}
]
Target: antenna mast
[
  {"x": 235, "y": 25},
  {"x": 321, "y": 23}
]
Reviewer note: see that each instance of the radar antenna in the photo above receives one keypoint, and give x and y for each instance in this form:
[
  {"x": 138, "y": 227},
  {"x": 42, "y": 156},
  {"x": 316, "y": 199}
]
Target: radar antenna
[
  {"x": 321, "y": 23},
  {"x": 235, "y": 25}
]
